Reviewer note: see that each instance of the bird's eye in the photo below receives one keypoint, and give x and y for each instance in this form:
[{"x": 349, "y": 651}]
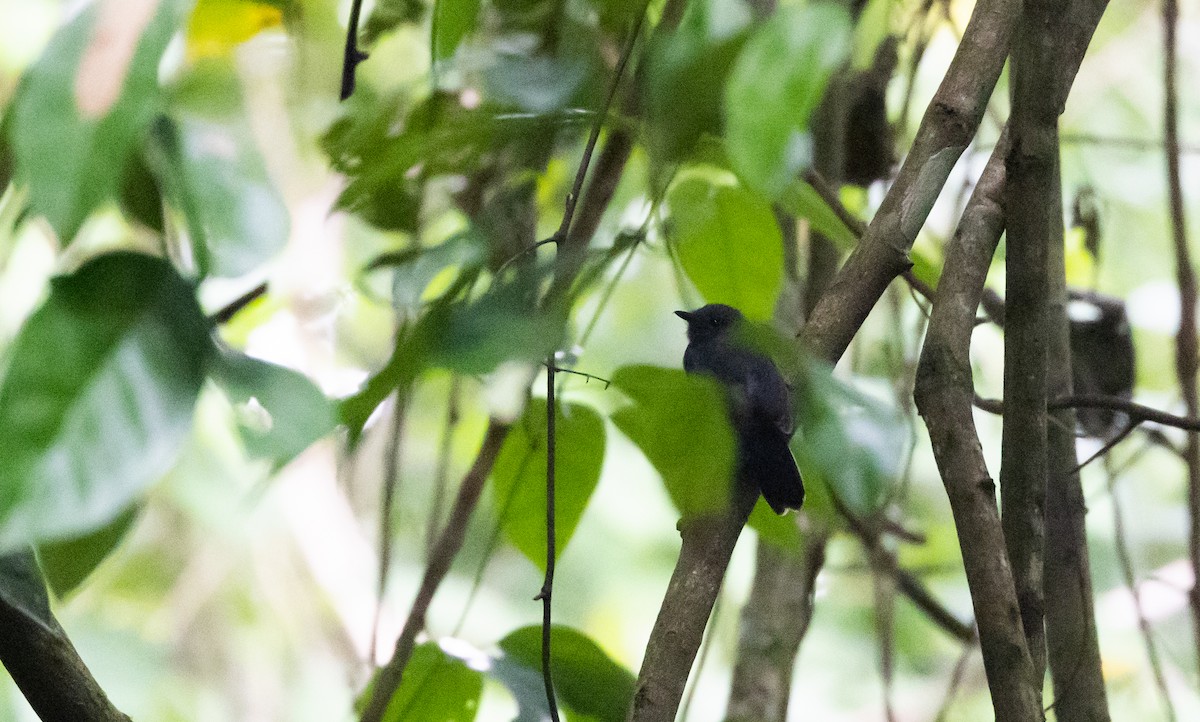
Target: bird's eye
[{"x": 715, "y": 322}]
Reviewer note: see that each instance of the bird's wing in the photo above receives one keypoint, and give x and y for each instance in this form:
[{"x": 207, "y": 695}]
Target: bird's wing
[{"x": 768, "y": 396}]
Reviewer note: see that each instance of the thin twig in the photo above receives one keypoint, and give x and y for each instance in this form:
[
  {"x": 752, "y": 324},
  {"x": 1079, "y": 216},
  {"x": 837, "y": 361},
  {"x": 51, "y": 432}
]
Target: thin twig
[
  {"x": 1108, "y": 445},
  {"x": 548, "y": 584},
  {"x": 956, "y": 678},
  {"x": 391, "y": 480},
  {"x": 1125, "y": 561},
  {"x": 589, "y": 377},
  {"x": 1113, "y": 403},
  {"x": 441, "y": 477},
  {"x": 353, "y": 56},
  {"x": 1185, "y": 340},
  {"x": 226, "y": 313}
]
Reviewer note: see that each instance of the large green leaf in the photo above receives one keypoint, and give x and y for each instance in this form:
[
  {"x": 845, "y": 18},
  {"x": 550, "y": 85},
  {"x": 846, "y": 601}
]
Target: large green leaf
[
  {"x": 436, "y": 686},
  {"x": 67, "y": 564},
  {"x": 587, "y": 681},
  {"x": 685, "y": 76},
  {"x": 520, "y": 475},
  {"x": 280, "y": 412},
  {"x": 84, "y": 106},
  {"x": 679, "y": 422},
  {"x": 98, "y": 396},
  {"x": 453, "y": 20},
  {"x": 729, "y": 244},
  {"x": 775, "y": 85},
  {"x": 803, "y": 200}
]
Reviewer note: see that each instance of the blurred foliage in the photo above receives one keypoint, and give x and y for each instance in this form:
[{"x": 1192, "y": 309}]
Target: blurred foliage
[{"x": 199, "y": 150}]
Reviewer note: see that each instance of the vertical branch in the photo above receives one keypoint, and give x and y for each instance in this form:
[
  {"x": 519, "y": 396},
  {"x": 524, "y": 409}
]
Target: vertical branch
[
  {"x": 944, "y": 394},
  {"x": 352, "y": 55},
  {"x": 884, "y": 587},
  {"x": 1185, "y": 339},
  {"x": 548, "y": 584},
  {"x": 441, "y": 476},
  {"x": 391, "y": 480}
]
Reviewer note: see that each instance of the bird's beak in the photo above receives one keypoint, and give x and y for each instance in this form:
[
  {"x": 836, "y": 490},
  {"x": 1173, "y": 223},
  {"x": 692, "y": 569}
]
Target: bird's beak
[{"x": 685, "y": 315}]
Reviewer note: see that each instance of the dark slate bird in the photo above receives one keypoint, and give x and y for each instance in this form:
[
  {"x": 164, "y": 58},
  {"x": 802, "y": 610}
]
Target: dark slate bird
[{"x": 760, "y": 409}]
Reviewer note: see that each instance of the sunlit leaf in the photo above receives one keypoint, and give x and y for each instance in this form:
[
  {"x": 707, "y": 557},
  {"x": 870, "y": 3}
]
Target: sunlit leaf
[
  {"x": 775, "y": 85},
  {"x": 67, "y": 564},
  {"x": 874, "y": 24},
  {"x": 679, "y": 422},
  {"x": 587, "y": 681},
  {"x": 84, "y": 106},
  {"x": 98, "y": 396},
  {"x": 412, "y": 269},
  {"x": 218, "y": 26},
  {"x": 280, "y": 412},
  {"x": 803, "y": 200},
  {"x": 520, "y": 475},
  {"x": 729, "y": 244}
]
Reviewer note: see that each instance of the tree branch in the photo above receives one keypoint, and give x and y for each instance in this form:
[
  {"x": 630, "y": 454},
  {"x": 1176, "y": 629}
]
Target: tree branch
[{"x": 944, "y": 393}]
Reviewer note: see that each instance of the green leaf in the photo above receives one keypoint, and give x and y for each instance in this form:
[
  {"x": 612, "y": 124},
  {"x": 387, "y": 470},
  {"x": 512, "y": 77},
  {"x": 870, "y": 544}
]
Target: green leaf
[
  {"x": 280, "y": 412},
  {"x": 587, "y": 681},
  {"x": 874, "y": 24},
  {"x": 67, "y": 564},
  {"x": 779, "y": 531},
  {"x": 685, "y": 76},
  {"x": 389, "y": 15},
  {"x": 98, "y": 396},
  {"x": 802, "y": 200},
  {"x": 680, "y": 423},
  {"x": 82, "y": 108},
  {"x": 453, "y": 20},
  {"x": 776, "y": 84},
  {"x": 520, "y": 475},
  {"x": 729, "y": 244},
  {"x": 436, "y": 686},
  {"x": 22, "y": 588},
  {"x": 414, "y": 268},
  {"x": 849, "y": 442}
]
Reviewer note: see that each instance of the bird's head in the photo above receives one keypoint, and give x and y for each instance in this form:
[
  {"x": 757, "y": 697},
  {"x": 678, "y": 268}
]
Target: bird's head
[{"x": 710, "y": 322}]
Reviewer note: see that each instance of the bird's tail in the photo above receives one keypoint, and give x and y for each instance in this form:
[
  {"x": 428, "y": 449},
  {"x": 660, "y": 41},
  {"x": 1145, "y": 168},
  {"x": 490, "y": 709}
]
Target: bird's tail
[{"x": 767, "y": 461}]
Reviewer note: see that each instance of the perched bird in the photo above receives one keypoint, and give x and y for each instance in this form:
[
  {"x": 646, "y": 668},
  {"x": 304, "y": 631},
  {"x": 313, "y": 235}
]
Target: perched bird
[{"x": 760, "y": 409}]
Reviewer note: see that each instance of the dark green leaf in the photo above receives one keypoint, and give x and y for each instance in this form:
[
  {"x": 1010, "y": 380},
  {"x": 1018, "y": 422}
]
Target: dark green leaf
[
  {"x": 587, "y": 681},
  {"x": 436, "y": 686},
  {"x": 80, "y": 112},
  {"x": 98, "y": 396},
  {"x": 453, "y": 20},
  {"x": 389, "y": 15},
  {"x": 680, "y": 423},
  {"x": 280, "y": 412},
  {"x": 141, "y": 197},
  {"x": 520, "y": 475},
  {"x": 21, "y": 587},
  {"x": 686, "y": 73},
  {"x": 774, "y": 87},
  {"x": 729, "y": 244},
  {"x": 414, "y": 268},
  {"x": 67, "y": 564}
]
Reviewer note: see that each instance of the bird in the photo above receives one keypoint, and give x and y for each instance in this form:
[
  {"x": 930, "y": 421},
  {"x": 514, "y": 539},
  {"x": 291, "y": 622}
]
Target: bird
[{"x": 758, "y": 401}]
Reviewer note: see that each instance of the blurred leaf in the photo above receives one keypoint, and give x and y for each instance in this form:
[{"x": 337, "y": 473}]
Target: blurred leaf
[
  {"x": 874, "y": 24},
  {"x": 520, "y": 475},
  {"x": 526, "y": 686},
  {"x": 141, "y": 197},
  {"x": 586, "y": 680},
  {"x": 1081, "y": 264},
  {"x": 218, "y": 26},
  {"x": 22, "y": 588},
  {"x": 729, "y": 244},
  {"x": 802, "y": 200},
  {"x": 453, "y": 20},
  {"x": 776, "y": 84},
  {"x": 82, "y": 108},
  {"x": 538, "y": 84},
  {"x": 779, "y": 531},
  {"x": 851, "y": 442},
  {"x": 685, "y": 76},
  {"x": 436, "y": 686},
  {"x": 67, "y": 564},
  {"x": 389, "y": 15},
  {"x": 469, "y": 337},
  {"x": 280, "y": 412},
  {"x": 925, "y": 268},
  {"x": 414, "y": 268},
  {"x": 98, "y": 396},
  {"x": 679, "y": 422}
]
